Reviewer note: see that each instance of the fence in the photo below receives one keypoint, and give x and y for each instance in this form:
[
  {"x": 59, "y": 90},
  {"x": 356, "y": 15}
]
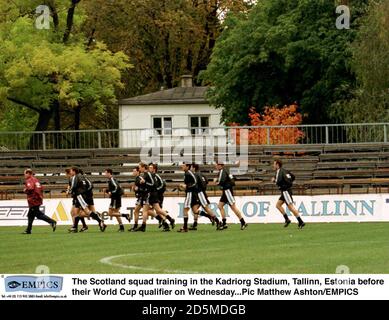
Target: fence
[{"x": 136, "y": 138}]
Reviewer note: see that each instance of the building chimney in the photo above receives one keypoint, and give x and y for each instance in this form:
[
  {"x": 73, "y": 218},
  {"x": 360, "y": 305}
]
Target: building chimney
[{"x": 186, "y": 81}]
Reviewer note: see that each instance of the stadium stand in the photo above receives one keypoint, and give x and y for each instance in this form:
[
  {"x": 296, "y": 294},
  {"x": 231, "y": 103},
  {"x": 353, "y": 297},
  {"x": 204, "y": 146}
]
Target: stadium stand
[{"x": 319, "y": 169}]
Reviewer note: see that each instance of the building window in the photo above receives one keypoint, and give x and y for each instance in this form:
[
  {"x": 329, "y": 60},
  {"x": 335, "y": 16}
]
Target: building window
[
  {"x": 163, "y": 125},
  {"x": 199, "y": 125}
]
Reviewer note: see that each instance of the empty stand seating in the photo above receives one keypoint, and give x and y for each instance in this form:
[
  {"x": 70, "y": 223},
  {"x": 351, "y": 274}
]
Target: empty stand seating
[{"x": 319, "y": 169}]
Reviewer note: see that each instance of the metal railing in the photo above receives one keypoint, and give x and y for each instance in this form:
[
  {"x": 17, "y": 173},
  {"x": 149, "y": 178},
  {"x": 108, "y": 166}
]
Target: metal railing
[{"x": 222, "y": 136}]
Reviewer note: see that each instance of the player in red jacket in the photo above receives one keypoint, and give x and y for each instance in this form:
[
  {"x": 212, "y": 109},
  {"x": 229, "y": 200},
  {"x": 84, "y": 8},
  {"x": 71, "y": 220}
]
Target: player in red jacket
[{"x": 33, "y": 189}]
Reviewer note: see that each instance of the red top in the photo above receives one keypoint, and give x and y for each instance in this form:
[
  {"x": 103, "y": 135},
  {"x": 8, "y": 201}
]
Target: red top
[{"x": 34, "y": 191}]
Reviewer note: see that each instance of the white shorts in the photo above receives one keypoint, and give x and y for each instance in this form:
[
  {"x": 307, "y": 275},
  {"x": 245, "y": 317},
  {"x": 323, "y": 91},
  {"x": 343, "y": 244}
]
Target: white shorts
[{"x": 203, "y": 198}]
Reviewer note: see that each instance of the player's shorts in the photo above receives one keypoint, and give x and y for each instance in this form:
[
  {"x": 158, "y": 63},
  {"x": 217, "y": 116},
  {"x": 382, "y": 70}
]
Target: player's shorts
[
  {"x": 203, "y": 198},
  {"x": 228, "y": 197},
  {"x": 79, "y": 202},
  {"x": 154, "y": 198},
  {"x": 191, "y": 200},
  {"x": 138, "y": 199},
  {"x": 287, "y": 197},
  {"x": 116, "y": 203},
  {"x": 89, "y": 198},
  {"x": 143, "y": 199},
  {"x": 161, "y": 197}
]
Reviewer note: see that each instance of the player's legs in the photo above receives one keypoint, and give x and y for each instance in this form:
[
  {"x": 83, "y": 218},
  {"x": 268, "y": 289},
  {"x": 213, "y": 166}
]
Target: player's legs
[
  {"x": 188, "y": 203},
  {"x": 243, "y": 224},
  {"x": 91, "y": 206},
  {"x": 207, "y": 212},
  {"x": 229, "y": 196},
  {"x": 281, "y": 209},
  {"x": 186, "y": 218},
  {"x": 297, "y": 215},
  {"x": 76, "y": 216},
  {"x": 114, "y": 212},
  {"x": 223, "y": 215},
  {"x": 162, "y": 214},
  {"x": 82, "y": 219},
  {"x": 80, "y": 203},
  {"x": 172, "y": 221},
  {"x": 31, "y": 217},
  {"x": 41, "y": 216},
  {"x": 137, "y": 209},
  {"x": 145, "y": 215},
  {"x": 288, "y": 198},
  {"x": 196, "y": 211}
]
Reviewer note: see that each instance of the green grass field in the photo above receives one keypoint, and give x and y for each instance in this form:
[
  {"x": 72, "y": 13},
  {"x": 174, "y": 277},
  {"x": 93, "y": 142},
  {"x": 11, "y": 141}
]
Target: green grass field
[{"x": 320, "y": 248}]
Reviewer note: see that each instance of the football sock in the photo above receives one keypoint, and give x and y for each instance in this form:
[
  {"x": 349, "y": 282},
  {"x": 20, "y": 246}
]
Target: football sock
[
  {"x": 95, "y": 217},
  {"x": 76, "y": 221},
  {"x": 203, "y": 213},
  {"x": 83, "y": 223}
]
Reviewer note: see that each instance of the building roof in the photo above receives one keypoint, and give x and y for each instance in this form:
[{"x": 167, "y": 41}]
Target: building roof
[{"x": 180, "y": 95}]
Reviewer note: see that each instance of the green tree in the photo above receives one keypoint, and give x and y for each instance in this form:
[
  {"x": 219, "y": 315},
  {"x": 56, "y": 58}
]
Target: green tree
[
  {"x": 57, "y": 70},
  {"x": 369, "y": 102},
  {"x": 163, "y": 38},
  {"x": 283, "y": 52}
]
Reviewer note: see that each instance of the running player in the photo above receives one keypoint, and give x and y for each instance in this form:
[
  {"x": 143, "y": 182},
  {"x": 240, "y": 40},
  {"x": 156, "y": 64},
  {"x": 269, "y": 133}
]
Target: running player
[
  {"x": 140, "y": 192},
  {"x": 150, "y": 199},
  {"x": 78, "y": 189},
  {"x": 226, "y": 183},
  {"x": 284, "y": 181},
  {"x": 191, "y": 199},
  {"x": 75, "y": 222},
  {"x": 34, "y": 191},
  {"x": 161, "y": 188},
  {"x": 115, "y": 192},
  {"x": 141, "y": 196},
  {"x": 202, "y": 183}
]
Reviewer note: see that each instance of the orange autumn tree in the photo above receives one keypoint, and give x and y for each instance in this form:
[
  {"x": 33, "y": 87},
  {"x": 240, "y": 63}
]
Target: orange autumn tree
[{"x": 273, "y": 116}]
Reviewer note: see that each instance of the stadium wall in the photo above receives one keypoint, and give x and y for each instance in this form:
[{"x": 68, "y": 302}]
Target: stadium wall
[{"x": 330, "y": 208}]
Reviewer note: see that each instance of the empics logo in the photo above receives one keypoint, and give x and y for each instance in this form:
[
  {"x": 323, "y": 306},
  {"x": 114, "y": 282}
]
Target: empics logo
[
  {"x": 14, "y": 284},
  {"x": 33, "y": 284}
]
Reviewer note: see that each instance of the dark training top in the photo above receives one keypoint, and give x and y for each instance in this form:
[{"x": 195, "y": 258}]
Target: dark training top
[
  {"x": 79, "y": 185},
  {"x": 142, "y": 189},
  {"x": 224, "y": 180},
  {"x": 114, "y": 187},
  {"x": 150, "y": 184},
  {"x": 190, "y": 181},
  {"x": 160, "y": 183},
  {"x": 202, "y": 181},
  {"x": 283, "y": 179}
]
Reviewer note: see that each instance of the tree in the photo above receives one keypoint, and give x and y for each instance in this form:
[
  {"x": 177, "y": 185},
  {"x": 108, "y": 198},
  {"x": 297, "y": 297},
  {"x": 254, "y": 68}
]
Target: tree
[
  {"x": 54, "y": 71},
  {"x": 163, "y": 38},
  {"x": 274, "y": 116},
  {"x": 282, "y": 51},
  {"x": 369, "y": 101}
]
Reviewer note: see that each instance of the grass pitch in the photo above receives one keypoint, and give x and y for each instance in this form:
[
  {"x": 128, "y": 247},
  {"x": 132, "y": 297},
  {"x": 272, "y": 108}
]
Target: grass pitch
[{"x": 320, "y": 248}]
